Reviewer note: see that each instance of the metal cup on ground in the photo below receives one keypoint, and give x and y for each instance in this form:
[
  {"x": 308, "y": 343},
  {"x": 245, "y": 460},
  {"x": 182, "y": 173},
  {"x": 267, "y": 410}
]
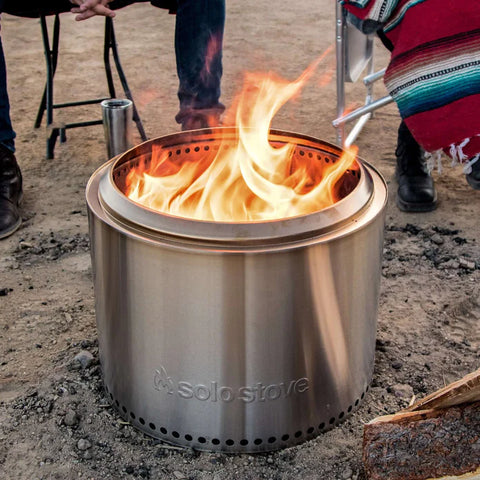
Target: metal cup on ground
[{"x": 117, "y": 116}]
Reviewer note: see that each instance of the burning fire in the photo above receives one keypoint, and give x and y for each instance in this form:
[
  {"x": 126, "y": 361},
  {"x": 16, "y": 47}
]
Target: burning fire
[{"x": 247, "y": 179}]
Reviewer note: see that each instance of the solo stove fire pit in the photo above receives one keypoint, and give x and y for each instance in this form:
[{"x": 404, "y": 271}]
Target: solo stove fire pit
[{"x": 236, "y": 337}]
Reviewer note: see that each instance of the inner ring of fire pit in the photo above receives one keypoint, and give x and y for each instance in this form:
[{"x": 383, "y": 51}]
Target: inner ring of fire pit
[{"x": 356, "y": 188}]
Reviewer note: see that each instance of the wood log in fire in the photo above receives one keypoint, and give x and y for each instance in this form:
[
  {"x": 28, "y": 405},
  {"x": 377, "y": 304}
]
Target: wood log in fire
[{"x": 436, "y": 438}]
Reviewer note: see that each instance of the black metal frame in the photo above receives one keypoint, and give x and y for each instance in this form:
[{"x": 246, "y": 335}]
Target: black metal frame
[{"x": 47, "y": 104}]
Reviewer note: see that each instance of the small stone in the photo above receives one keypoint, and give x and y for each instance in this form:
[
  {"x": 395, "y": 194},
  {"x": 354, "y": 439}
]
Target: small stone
[
  {"x": 129, "y": 469},
  {"x": 71, "y": 418},
  {"x": 270, "y": 460},
  {"x": 3, "y": 292},
  {"x": 449, "y": 264},
  {"x": 403, "y": 391},
  {"x": 84, "y": 359},
  {"x": 437, "y": 239},
  {"x": 88, "y": 454},
  {"x": 179, "y": 475},
  {"x": 397, "y": 365},
  {"x": 83, "y": 444},
  {"x": 466, "y": 264},
  {"x": 347, "y": 473},
  {"x": 86, "y": 344}
]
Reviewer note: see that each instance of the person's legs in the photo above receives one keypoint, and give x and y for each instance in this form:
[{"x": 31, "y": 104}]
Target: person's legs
[
  {"x": 198, "y": 48},
  {"x": 416, "y": 191},
  {"x": 10, "y": 176},
  {"x": 7, "y": 135}
]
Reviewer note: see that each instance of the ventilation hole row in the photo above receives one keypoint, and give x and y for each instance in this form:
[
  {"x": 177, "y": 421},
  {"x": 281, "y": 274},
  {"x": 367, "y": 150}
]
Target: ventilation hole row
[
  {"x": 319, "y": 157},
  {"x": 122, "y": 172},
  {"x": 187, "y": 150},
  {"x": 244, "y": 442}
]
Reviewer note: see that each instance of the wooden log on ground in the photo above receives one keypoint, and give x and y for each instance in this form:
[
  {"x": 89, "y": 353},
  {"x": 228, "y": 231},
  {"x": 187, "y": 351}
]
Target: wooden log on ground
[{"x": 434, "y": 443}]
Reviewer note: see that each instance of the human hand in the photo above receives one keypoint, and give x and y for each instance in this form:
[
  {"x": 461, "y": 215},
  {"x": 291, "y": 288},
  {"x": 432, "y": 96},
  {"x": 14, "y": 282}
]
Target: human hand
[{"x": 89, "y": 8}]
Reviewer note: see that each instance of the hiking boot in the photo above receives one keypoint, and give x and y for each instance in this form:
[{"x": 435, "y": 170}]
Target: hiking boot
[
  {"x": 10, "y": 192},
  {"x": 416, "y": 191},
  {"x": 473, "y": 178}
]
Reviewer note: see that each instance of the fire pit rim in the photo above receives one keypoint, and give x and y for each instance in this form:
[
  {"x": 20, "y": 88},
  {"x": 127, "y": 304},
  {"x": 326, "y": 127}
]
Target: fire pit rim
[{"x": 121, "y": 209}]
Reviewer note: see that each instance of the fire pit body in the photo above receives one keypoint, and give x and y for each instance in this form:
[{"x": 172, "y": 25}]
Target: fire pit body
[{"x": 235, "y": 337}]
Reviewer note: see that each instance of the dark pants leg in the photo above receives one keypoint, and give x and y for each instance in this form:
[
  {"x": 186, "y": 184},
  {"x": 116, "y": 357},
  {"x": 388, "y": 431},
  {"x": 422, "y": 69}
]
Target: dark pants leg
[
  {"x": 198, "y": 48},
  {"x": 7, "y": 134}
]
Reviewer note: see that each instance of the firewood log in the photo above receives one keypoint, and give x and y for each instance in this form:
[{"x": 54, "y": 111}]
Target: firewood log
[
  {"x": 436, "y": 438},
  {"x": 465, "y": 390}
]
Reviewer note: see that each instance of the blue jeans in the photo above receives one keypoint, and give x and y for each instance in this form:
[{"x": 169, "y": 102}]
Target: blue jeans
[
  {"x": 198, "y": 49},
  {"x": 7, "y": 134}
]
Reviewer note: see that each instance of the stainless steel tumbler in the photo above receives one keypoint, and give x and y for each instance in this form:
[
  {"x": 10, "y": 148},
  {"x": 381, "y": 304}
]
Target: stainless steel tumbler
[{"x": 117, "y": 122}]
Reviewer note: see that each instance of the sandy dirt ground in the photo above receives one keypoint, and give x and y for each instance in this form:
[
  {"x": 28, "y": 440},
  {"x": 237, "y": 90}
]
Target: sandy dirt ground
[{"x": 55, "y": 422}]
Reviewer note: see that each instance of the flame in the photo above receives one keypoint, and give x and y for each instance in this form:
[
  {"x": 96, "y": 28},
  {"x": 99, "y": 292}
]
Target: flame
[{"x": 248, "y": 179}]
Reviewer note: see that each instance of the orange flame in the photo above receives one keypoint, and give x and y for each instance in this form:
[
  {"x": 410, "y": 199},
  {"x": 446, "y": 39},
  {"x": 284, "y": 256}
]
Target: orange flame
[{"x": 248, "y": 179}]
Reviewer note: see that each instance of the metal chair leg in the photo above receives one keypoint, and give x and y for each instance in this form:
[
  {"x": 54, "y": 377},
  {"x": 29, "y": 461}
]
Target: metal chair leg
[
  {"x": 106, "y": 56},
  {"x": 121, "y": 75},
  {"x": 51, "y": 58},
  {"x": 340, "y": 28}
]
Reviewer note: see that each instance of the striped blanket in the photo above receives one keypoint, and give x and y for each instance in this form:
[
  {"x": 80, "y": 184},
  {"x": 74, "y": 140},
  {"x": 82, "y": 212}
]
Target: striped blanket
[{"x": 434, "y": 72}]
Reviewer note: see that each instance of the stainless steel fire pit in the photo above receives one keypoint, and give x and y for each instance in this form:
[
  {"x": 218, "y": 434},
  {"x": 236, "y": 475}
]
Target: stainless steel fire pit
[{"x": 237, "y": 337}]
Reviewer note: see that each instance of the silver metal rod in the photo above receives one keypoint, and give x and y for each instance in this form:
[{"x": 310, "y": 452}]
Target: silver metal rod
[
  {"x": 381, "y": 102},
  {"x": 372, "y": 78},
  {"x": 340, "y": 53},
  {"x": 355, "y": 131}
]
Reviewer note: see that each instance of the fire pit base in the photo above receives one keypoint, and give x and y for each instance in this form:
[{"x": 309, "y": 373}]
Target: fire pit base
[
  {"x": 231, "y": 443},
  {"x": 236, "y": 337}
]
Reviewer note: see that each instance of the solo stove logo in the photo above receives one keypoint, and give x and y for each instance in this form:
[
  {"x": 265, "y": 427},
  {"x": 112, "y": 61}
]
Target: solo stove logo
[{"x": 218, "y": 393}]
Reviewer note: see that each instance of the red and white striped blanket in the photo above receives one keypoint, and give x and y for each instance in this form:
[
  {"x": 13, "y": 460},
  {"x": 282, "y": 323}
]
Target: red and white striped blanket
[{"x": 434, "y": 72}]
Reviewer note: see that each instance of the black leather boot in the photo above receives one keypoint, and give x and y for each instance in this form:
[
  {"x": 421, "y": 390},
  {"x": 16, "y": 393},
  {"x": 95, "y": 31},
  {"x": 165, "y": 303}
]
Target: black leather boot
[
  {"x": 473, "y": 178},
  {"x": 10, "y": 193},
  {"x": 416, "y": 191}
]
